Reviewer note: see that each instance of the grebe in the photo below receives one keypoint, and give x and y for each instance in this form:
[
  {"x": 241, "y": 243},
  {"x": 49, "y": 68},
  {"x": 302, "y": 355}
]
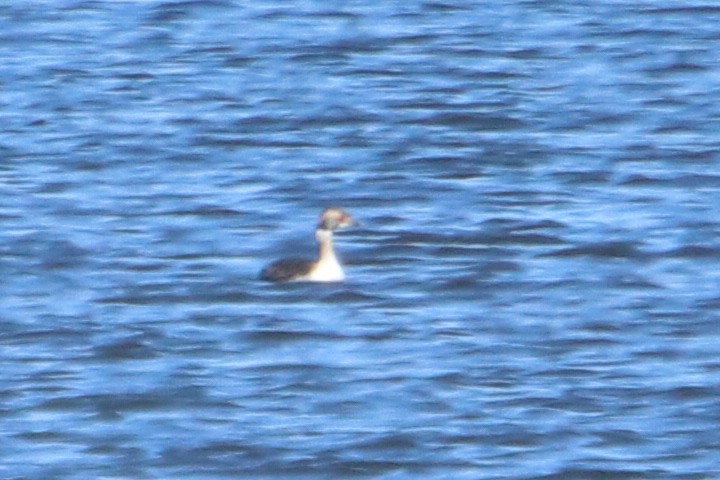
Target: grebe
[{"x": 326, "y": 268}]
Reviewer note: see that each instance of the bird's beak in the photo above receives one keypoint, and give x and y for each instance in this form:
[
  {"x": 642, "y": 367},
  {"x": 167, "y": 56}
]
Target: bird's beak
[{"x": 350, "y": 222}]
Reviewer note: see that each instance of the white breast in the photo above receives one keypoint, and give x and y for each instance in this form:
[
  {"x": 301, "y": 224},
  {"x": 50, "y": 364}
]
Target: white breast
[{"x": 327, "y": 270}]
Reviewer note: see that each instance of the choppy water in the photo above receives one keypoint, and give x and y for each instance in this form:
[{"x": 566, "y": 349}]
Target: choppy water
[{"x": 533, "y": 293}]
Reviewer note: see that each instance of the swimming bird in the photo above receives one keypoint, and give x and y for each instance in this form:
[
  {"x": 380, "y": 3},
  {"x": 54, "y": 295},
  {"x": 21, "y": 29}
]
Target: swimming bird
[{"x": 327, "y": 267}]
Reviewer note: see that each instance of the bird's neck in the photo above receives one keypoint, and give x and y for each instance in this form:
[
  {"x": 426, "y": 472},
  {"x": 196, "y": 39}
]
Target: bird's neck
[{"x": 325, "y": 243}]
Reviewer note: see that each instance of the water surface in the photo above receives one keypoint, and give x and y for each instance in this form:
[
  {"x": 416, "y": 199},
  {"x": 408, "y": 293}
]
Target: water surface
[{"x": 533, "y": 292}]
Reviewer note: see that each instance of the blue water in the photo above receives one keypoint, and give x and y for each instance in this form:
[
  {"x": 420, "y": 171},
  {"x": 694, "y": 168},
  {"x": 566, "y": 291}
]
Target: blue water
[{"x": 534, "y": 291}]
